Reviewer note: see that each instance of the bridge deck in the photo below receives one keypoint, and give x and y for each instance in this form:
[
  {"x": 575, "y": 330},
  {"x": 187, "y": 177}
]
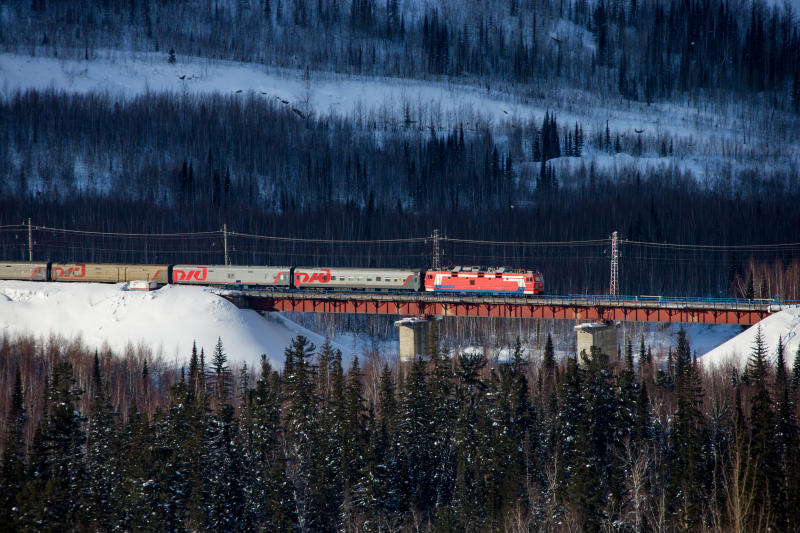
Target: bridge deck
[{"x": 589, "y": 307}]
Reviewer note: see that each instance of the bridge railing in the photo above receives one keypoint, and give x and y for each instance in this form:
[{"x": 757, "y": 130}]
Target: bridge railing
[
  {"x": 740, "y": 303},
  {"x": 773, "y": 304}
]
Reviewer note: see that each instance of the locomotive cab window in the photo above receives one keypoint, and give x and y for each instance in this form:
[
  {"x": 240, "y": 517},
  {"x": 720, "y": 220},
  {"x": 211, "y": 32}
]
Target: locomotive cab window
[{"x": 430, "y": 276}]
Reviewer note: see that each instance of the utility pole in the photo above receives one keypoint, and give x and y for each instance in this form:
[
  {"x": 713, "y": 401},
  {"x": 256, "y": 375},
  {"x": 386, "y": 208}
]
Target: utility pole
[
  {"x": 30, "y": 242},
  {"x": 435, "y": 259},
  {"x": 614, "y": 264},
  {"x": 225, "y": 242}
]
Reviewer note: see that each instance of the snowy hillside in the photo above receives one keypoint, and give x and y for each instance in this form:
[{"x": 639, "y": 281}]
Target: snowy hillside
[
  {"x": 168, "y": 319},
  {"x": 391, "y": 104},
  {"x": 784, "y": 325}
]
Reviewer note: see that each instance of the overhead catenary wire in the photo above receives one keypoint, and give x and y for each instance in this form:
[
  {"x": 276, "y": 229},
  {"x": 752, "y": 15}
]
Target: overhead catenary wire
[
  {"x": 593, "y": 242},
  {"x": 131, "y": 235},
  {"x": 677, "y": 246},
  {"x": 328, "y": 241},
  {"x": 213, "y": 234}
]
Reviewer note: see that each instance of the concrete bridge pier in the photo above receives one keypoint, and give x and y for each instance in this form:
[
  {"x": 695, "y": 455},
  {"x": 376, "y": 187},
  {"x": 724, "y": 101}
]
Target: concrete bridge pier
[
  {"x": 419, "y": 337},
  {"x": 602, "y": 335}
]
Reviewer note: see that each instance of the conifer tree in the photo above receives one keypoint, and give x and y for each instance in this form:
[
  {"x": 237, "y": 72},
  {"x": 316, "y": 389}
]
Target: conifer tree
[
  {"x": 199, "y": 420},
  {"x": 413, "y": 448},
  {"x": 786, "y": 442},
  {"x": 762, "y": 431},
  {"x": 596, "y": 478},
  {"x": 300, "y": 423},
  {"x": 280, "y": 507},
  {"x": 13, "y": 466},
  {"x": 102, "y": 455},
  {"x": 688, "y": 461},
  {"x": 352, "y": 449},
  {"x": 796, "y": 369},
  {"x": 261, "y": 438},
  {"x": 222, "y": 376},
  {"x": 51, "y": 498},
  {"x": 138, "y": 494},
  {"x": 376, "y": 493},
  {"x": 194, "y": 373},
  {"x": 471, "y": 444}
]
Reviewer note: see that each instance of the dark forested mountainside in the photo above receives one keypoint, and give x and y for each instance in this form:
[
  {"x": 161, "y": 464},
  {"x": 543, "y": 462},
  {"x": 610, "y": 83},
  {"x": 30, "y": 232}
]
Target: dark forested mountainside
[
  {"x": 645, "y": 50},
  {"x": 163, "y": 163},
  {"x": 604, "y": 443}
]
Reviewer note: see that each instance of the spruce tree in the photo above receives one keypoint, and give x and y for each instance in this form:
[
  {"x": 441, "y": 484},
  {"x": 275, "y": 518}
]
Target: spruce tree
[
  {"x": 687, "y": 445},
  {"x": 413, "y": 447},
  {"x": 194, "y": 373},
  {"x": 762, "y": 431},
  {"x": 786, "y": 442},
  {"x": 51, "y": 498},
  {"x": 13, "y": 467},
  {"x": 796, "y": 369},
  {"x": 280, "y": 506},
  {"x": 472, "y": 444},
  {"x": 300, "y": 423},
  {"x": 102, "y": 455},
  {"x": 376, "y": 493},
  {"x": 222, "y": 376},
  {"x": 355, "y": 437}
]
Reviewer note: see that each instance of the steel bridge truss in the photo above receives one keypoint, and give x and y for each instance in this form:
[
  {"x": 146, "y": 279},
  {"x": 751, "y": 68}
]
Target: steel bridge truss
[{"x": 570, "y": 307}]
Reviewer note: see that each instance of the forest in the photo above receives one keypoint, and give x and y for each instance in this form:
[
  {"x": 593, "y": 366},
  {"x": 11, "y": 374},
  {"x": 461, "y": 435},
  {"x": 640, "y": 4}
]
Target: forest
[
  {"x": 644, "y": 50},
  {"x": 194, "y": 163},
  {"x": 721, "y": 175},
  {"x": 596, "y": 442},
  {"x": 674, "y": 123}
]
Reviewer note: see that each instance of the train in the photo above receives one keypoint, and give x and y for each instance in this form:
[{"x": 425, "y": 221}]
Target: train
[{"x": 461, "y": 279}]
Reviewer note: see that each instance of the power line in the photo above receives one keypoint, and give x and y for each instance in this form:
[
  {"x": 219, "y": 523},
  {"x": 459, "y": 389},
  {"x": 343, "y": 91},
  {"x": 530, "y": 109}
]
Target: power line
[
  {"x": 328, "y": 241},
  {"x": 410, "y": 240},
  {"x": 594, "y": 242},
  {"x": 129, "y": 235},
  {"x": 722, "y": 247}
]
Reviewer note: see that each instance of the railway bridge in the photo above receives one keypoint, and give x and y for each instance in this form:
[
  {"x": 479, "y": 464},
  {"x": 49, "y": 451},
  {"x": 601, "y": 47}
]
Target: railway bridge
[{"x": 569, "y": 307}]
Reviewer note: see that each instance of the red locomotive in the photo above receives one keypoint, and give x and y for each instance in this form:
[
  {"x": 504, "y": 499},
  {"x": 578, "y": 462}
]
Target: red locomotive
[{"x": 479, "y": 279}]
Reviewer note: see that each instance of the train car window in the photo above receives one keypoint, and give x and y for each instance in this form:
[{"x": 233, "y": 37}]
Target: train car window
[
  {"x": 360, "y": 278},
  {"x": 369, "y": 279},
  {"x": 350, "y": 278},
  {"x": 472, "y": 282},
  {"x": 377, "y": 278}
]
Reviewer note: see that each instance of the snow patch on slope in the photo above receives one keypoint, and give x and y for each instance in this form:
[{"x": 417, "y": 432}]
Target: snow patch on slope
[
  {"x": 784, "y": 325},
  {"x": 168, "y": 320}
]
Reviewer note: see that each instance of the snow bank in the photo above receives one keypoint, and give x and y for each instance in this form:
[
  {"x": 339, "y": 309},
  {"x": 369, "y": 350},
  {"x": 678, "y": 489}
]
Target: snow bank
[
  {"x": 168, "y": 320},
  {"x": 784, "y": 324}
]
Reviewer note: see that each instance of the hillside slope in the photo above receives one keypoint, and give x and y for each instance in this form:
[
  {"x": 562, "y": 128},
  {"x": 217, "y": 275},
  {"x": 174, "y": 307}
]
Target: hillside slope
[
  {"x": 168, "y": 320},
  {"x": 784, "y": 325}
]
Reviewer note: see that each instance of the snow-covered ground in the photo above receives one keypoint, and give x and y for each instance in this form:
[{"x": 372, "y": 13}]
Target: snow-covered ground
[
  {"x": 167, "y": 320},
  {"x": 784, "y": 325}
]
